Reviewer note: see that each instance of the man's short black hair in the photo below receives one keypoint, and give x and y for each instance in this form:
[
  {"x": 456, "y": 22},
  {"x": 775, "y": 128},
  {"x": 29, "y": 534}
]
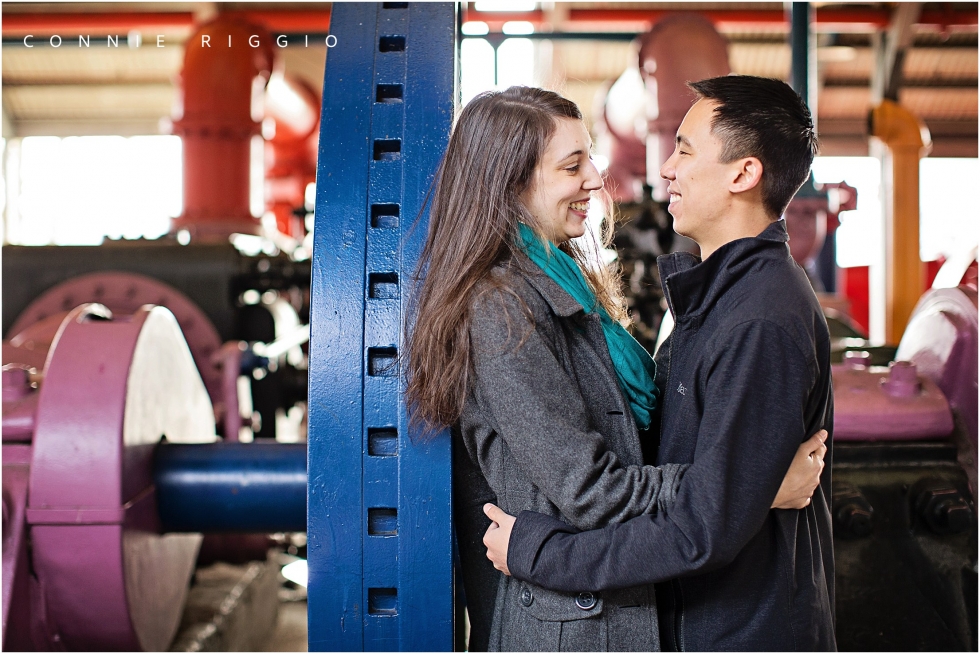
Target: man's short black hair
[{"x": 766, "y": 119}]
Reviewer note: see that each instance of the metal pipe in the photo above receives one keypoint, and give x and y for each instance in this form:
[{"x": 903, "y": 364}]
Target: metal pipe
[
  {"x": 826, "y": 18},
  {"x": 310, "y": 21},
  {"x": 305, "y": 21},
  {"x": 800, "y": 47},
  {"x": 231, "y": 487},
  {"x": 217, "y": 125},
  {"x": 907, "y": 141}
]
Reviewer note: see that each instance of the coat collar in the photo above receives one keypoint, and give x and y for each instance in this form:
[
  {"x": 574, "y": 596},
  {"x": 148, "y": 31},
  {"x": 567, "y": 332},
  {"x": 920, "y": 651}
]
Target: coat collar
[
  {"x": 693, "y": 286},
  {"x": 558, "y": 299}
]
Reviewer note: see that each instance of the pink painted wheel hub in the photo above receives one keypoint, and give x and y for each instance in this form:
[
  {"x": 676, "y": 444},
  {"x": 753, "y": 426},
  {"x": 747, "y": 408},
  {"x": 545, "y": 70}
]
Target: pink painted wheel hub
[{"x": 111, "y": 390}]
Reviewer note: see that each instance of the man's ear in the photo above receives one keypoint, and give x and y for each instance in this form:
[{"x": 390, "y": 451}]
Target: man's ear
[{"x": 748, "y": 175}]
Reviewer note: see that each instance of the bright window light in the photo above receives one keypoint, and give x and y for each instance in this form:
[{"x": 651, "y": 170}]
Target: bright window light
[
  {"x": 518, "y": 27},
  {"x": 475, "y": 28},
  {"x": 515, "y": 63},
  {"x": 81, "y": 189},
  {"x": 948, "y": 207},
  {"x": 476, "y": 68},
  {"x": 859, "y": 237},
  {"x": 505, "y": 5},
  {"x": 296, "y": 572}
]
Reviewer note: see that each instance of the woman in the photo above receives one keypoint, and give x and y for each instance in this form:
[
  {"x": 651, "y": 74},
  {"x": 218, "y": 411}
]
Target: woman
[{"x": 518, "y": 346}]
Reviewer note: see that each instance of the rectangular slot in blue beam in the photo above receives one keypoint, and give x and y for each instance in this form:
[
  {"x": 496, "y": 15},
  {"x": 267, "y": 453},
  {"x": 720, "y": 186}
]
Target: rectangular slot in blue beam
[
  {"x": 382, "y": 362},
  {"x": 384, "y": 216},
  {"x": 391, "y": 44},
  {"x": 382, "y": 522},
  {"x": 382, "y": 441},
  {"x": 389, "y": 93},
  {"x": 382, "y": 601},
  {"x": 383, "y": 286},
  {"x": 387, "y": 149}
]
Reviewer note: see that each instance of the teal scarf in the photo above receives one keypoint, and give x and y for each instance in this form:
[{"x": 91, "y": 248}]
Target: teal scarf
[{"x": 635, "y": 368}]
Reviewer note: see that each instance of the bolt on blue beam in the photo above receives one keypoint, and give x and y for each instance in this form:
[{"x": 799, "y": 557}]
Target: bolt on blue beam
[
  {"x": 379, "y": 505},
  {"x": 231, "y": 487}
]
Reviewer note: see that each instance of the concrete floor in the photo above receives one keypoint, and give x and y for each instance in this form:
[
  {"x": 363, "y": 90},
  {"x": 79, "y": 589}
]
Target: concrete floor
[{"x": 290, "y": 633}]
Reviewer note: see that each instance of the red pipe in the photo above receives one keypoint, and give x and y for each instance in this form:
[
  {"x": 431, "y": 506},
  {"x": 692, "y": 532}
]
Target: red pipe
[
  {"x": 277, "y": 21},
  {"x": 16, "y": 24},
  {"x": 19, "y": 24},
  {"x": 825, "y": 17},
  {"x": 301, "y": 22},
  {"x": 216, "y": 127},
  {"x": 291, "y": 154}
]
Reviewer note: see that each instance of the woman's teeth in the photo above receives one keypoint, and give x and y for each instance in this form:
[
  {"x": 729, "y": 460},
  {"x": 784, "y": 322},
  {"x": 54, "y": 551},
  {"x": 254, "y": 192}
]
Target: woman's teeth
[{"x": 579, "y": 206}]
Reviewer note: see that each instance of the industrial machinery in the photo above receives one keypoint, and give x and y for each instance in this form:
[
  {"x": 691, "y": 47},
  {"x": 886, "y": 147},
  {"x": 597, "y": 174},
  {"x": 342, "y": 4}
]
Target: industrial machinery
[
  {"x": 102, "y": 508},
  {"x": 905, "y": 483}
]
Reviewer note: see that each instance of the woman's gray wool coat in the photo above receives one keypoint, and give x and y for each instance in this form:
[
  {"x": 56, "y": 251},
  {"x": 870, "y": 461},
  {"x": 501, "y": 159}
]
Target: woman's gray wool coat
[{"x": 546, "y": 428}]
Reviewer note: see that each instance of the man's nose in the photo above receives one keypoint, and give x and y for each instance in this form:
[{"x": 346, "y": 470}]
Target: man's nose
[{"x": 667, "y": 170}]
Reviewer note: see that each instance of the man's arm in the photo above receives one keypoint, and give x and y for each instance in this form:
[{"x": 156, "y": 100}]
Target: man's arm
[
  {"x": 753, "y": 423},
  {"x": 795, "y": 492}
]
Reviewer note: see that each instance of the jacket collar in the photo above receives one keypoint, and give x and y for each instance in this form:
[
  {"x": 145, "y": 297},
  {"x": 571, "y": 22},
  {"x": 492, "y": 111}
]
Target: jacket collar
[
  {"x": 692, "y": 286},
  {"x": 558, "y": 299}
]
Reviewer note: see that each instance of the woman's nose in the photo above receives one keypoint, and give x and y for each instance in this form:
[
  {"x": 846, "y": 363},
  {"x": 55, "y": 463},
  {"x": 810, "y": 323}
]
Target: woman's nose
[{"x": 593, "y": 180}]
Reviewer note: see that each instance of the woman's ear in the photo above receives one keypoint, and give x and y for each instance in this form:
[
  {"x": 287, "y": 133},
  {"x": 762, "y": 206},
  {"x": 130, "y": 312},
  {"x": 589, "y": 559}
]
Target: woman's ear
[{"x": 748, "y": 175}]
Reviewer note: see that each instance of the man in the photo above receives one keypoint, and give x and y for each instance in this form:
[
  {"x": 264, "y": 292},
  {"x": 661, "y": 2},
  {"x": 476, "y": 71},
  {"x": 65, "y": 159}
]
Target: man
[{"x": 745, "y": 376}]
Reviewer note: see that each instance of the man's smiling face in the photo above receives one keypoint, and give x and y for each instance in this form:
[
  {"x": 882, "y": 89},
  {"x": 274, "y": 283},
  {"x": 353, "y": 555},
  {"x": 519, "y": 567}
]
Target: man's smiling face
[{"x": 698, "y": 181}]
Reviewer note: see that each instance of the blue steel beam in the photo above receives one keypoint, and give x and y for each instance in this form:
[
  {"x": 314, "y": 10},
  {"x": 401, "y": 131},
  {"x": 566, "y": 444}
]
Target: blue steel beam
[
  {"x": 379, "y": 505},
  {"x": 231, "y": 487}
]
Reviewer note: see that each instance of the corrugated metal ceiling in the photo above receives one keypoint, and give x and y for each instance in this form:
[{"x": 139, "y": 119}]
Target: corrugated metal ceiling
[{"x": 49, "y": 89}]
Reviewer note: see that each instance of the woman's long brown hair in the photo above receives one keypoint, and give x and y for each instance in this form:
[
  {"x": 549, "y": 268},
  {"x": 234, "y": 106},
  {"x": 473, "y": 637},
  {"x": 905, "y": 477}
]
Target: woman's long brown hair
[{"x": 495, "y": 147}]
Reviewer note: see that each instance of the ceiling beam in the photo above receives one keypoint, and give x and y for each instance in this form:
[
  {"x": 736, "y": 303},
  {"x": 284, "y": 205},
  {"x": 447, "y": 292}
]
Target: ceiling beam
[
  {"x": 890, "y": 49},
  {"x": 276, "y": 20}
]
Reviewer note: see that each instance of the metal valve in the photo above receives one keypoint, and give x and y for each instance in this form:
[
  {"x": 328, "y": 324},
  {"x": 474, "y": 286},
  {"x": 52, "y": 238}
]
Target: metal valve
[{"x": 852, "y": 512}]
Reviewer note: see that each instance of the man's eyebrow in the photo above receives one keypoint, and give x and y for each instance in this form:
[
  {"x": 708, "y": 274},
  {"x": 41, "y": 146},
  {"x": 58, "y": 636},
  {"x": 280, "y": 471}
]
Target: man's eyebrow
[{"x": 683, "y": 140}]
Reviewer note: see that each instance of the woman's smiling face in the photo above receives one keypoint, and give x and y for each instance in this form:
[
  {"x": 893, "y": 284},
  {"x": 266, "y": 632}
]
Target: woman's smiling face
[{"x": 563, "y": 182}]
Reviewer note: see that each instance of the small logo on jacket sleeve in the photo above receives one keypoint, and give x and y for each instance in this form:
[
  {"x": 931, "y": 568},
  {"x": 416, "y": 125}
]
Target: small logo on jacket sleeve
[{"x": 681, "y": 389}]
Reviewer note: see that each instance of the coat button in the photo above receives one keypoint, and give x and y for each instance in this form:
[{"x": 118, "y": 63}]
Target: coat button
[
  {"x": 527, "y": 597},
  {"x": 585, "y": 601}
]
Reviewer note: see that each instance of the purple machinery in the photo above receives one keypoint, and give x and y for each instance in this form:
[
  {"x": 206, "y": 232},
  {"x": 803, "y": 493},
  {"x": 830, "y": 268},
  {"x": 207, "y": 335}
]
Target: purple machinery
[
  {"x": 111, "y": 469},
  {"x": 905, "y": 484},
  {"x": 77, "y": 477}
]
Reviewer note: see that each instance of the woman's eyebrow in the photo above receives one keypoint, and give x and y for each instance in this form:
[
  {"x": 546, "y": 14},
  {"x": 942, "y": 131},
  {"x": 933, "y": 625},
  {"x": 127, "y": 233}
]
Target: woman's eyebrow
[{"x": 575, "y": 154}]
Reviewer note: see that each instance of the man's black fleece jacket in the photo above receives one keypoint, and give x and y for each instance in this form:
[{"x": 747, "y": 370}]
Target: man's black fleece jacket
[{"x": 745, "y": 378}]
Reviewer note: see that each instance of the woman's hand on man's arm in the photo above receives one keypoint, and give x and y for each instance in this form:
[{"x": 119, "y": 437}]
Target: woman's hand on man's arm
[{"x": 804, "y": 472}]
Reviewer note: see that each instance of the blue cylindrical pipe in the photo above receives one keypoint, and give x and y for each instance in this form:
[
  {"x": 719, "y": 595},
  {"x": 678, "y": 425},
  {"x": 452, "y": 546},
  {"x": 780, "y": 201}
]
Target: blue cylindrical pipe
[{"x": 231, "y": 487}]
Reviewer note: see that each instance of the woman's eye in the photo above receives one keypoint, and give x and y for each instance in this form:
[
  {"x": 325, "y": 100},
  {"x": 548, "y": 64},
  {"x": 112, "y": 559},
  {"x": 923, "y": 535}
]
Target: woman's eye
[{"x": 573, "y": 169}]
